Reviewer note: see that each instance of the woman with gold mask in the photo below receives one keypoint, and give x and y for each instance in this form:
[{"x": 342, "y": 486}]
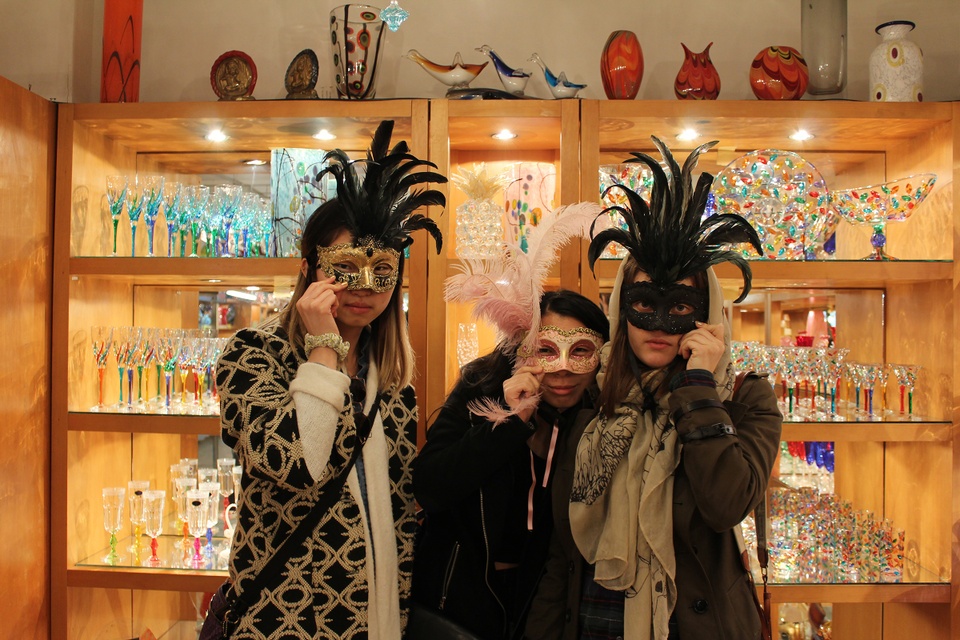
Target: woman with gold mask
[{"x": 319, "y": 408}]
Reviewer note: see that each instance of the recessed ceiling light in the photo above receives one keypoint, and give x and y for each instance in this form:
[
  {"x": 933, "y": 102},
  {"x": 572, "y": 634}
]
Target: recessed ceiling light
[
  {"x": 802, "y": 135},
  {"x": 216, "y": 135},
  {"x": 256, "y": 162},
  {"x": 214, "y": 280},
  {"x": 688, "y": 134},
  {"x": 504, "y": 134},
  {"x": 323, "y": 134},
  {"x": 252, "y": 288}
]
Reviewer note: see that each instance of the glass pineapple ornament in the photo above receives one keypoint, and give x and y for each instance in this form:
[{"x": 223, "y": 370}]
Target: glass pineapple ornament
[{"x": 479, "y": 226}]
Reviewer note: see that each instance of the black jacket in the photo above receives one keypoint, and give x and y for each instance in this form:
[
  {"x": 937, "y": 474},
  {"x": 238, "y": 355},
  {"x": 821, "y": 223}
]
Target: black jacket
[{"x": 466, "y": 479}]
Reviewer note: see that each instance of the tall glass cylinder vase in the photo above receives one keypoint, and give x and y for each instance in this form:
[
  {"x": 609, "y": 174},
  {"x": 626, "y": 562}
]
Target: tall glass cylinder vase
[
  {"x": 823, "y": 27},
  {"x": 355, "y": 33}
]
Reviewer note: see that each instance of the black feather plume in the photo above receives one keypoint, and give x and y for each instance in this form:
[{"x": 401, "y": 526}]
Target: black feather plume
[
  {"x": 668, "y": 237},
  {"x": 378, "y": 195}
]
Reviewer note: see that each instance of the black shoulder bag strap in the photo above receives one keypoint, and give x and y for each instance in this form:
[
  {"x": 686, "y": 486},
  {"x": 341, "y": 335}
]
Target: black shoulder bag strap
[
  {"x": 760, "y": 523},
  {"x": 236, "y": 604}
]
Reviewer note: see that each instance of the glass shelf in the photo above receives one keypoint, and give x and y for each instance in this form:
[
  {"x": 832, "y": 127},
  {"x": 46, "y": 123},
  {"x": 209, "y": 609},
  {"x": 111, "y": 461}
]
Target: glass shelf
[{"x": 170, "y": 551}]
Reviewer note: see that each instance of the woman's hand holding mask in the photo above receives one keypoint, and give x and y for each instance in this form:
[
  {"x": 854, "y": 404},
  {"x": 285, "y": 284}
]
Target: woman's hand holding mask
[
  {"x": 523, "y": 385},
  {"x": 318, "y": 306},
  {"x": 703, "y": 347}
]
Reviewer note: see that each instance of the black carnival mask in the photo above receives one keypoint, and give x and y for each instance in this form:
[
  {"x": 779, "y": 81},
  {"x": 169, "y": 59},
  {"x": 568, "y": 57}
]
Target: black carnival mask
[{"x": 673, "y": 309}]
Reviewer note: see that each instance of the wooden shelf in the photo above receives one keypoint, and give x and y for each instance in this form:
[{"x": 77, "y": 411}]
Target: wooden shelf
[
  {"x": 143, "y": 423},
  {"x": 860, "y": 593},
  {"x": 868, "y": 431},
  {"x": 843, "y": 274},
  {"x": 190, "y": 271},
  {"x": 152, "y": 579},
  {"x": 742, "y": 125}
]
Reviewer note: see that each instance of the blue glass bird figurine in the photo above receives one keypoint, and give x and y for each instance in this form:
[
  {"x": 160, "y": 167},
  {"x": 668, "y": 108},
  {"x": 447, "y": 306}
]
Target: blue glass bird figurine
[
  {"x": 513, "y": 80},
  {"x": 559, "y": 86}
]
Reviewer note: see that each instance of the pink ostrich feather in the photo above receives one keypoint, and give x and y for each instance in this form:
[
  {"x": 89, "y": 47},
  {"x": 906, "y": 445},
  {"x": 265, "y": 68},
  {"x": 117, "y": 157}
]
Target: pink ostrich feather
[{"x": 506, "y": 292}]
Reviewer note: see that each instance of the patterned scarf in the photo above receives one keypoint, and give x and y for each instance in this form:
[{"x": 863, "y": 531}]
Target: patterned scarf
[
  {"x": 619, "y": 512},
  {"x": 621, "y": 506}
]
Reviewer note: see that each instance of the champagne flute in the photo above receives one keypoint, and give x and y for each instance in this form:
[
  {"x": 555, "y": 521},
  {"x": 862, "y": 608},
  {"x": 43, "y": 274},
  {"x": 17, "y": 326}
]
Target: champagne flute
[
  {"x": 237, "y": 474},
  {"x": 198, "y": 199},
  {"x": 121, "y": 345},
  {"x": 224, "y": 470},
  {"x": 182, "y": 486},
  {"x": 135, "y": 489},
  {"x": 172, "y": 205},
  {"x": 113, "y": 498},
  {"x": 116, "y": 196},
  {"x": 102, "y": 339},
  {"x": 196, "y": 508},
  {"x": 213, "y": 513},
  {"x": 153, "y": 504},
  {"x": 135, "y": 202},
  {"x": 226, "y": 201},
  {"x": 152, "y": 197}
]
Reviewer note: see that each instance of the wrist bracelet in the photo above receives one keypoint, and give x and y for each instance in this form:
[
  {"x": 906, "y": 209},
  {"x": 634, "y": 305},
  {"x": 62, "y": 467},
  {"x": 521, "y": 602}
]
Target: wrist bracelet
[
  {"x": 689, "y": 407},
  {"x": 329, "y": 340}
]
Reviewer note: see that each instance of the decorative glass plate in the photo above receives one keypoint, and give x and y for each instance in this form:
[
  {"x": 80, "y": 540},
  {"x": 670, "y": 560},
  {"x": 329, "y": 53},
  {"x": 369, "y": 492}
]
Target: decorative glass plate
[{"x": 784, "y": 197}]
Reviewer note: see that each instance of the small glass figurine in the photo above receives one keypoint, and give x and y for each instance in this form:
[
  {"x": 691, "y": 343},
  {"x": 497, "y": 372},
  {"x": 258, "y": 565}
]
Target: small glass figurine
[{"x": 394, "y": 15}]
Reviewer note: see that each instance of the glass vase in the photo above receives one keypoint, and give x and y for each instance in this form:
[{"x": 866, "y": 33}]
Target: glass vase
[
  {"x": 896, "y": 65},
  {"x": 823, "y": 30},
  {"x": 355, "y": 32}
]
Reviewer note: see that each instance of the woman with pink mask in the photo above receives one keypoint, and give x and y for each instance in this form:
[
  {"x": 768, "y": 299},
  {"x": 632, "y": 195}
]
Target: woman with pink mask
[{"x": 483, "y": 478}]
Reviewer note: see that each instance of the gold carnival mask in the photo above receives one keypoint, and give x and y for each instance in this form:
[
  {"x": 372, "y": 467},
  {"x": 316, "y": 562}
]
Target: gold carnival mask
[
  {"x": 364, "y": 265},
  {"x": 576, "y": 350}
]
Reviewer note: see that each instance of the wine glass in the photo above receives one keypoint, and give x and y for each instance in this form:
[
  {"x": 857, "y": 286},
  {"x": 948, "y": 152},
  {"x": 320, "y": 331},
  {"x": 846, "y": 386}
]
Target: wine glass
[
  {"x": 237, "y": 474},
  {"x": 135, "y": 489},
  {"x": 135, "y": 202},
  {"x": 113, "y": 499},
  {"x": 877, "y": 205},
  {"x": 170, "y": 345},
  {"x": 152, "y": 192},
  {"x": 116, "y": 196},
  {"x": 182, "y": 486},
  {"x": 224, "y": 470},
  {"x": 263, "y": 225},
  {"x": 133, "y": 358},
  {"x": 184, "y": 363},
  {"x": 121, "y": 348},
  {"x": 198, "y": 200},
  {"x": 196, "y": 508},
  {"x": 101, "y": 339},
  {"x": 144, "y": 356},
  {"x": 906, "y": 375},
  {"x": 172, "y": 205},
  {"x": 153, "y": 505},
  {"x": 213, "y": 513}
]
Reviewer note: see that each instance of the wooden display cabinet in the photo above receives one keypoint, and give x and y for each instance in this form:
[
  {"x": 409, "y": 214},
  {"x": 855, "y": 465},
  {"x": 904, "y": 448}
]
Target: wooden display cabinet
[
  {"x": 91, "y": 450},
  {"x": 902, "y": 470},
  {"x": 898, "y": 470}
]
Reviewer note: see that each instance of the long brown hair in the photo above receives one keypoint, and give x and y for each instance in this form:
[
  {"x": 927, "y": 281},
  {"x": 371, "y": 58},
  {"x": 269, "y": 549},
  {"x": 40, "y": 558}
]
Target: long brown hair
[
  {"x": 619, "y": 377},
  {"x": 390, "y": 348}
]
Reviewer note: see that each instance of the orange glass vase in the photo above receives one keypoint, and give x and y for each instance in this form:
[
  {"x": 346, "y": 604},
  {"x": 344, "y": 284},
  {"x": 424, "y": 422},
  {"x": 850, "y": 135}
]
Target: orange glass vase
[
  {"x": 120, "y": 70},
  {"x": 621, "y": 66},
  {"x": 778, "y": 73},
  {"x": 698, "y": 78}
]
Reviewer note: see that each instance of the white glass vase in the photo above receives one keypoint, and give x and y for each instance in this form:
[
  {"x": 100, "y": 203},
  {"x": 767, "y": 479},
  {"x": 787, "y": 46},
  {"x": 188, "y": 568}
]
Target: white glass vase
[{"x": 896, "y": 65}]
